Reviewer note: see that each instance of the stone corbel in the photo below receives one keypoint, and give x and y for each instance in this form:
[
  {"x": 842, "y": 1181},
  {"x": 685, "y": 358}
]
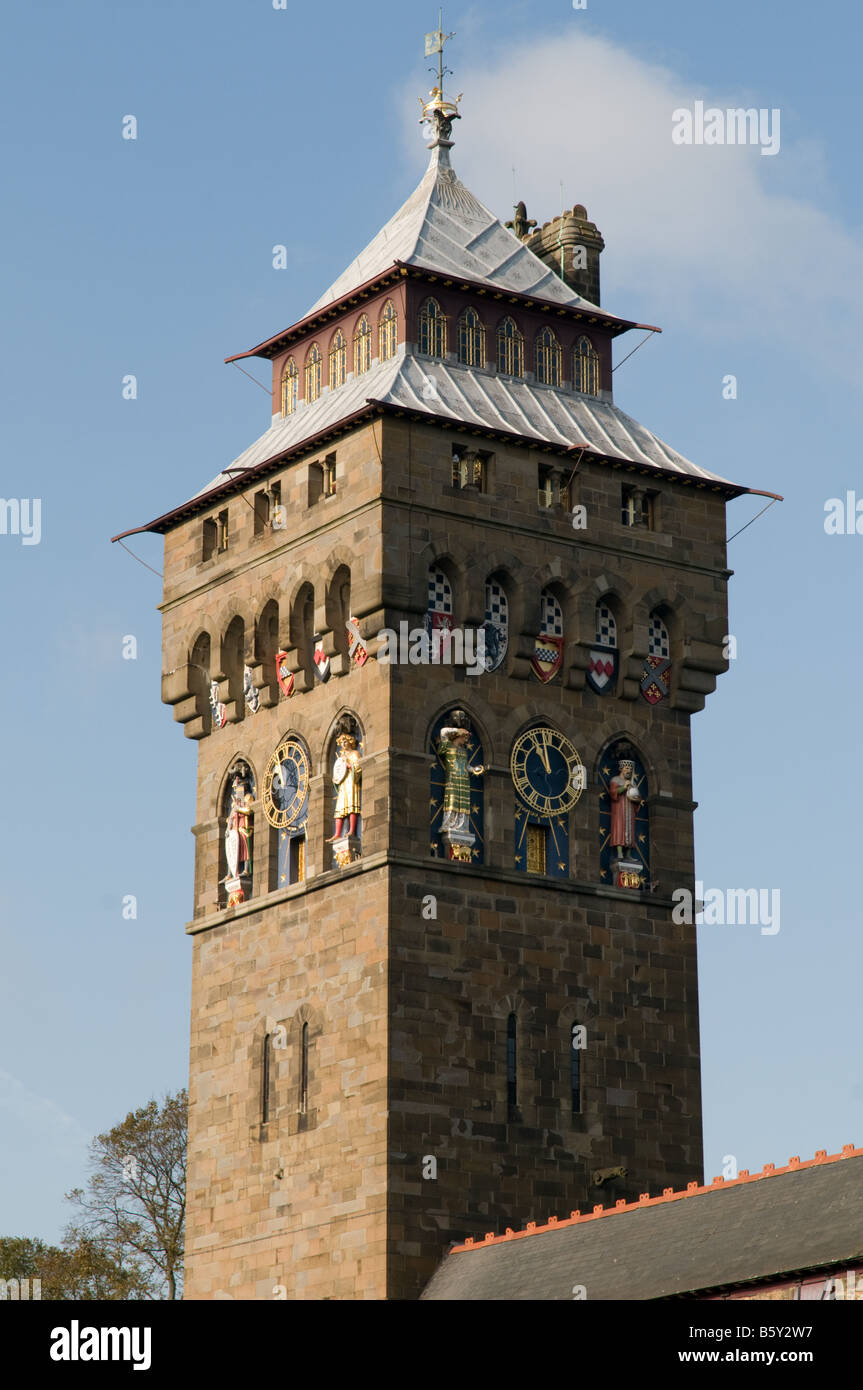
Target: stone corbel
[
  {"x": 577, "y": 658},
  {"x": 631, "y": 672},
  {"x": 178, "y": 690},
  {"x": 700, "y": 664},
  {"x": 525, "y": 646}
]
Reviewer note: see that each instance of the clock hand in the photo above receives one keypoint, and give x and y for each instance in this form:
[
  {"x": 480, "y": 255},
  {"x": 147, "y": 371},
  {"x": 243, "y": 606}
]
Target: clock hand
[{"x": 543, "y": 753}]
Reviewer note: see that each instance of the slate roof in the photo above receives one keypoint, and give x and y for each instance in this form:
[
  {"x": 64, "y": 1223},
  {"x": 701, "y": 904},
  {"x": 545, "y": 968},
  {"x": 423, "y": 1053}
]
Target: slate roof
[
  {"x": 445, "y": 228},
  {"x": 476, "y": 398},
  {"x": 780, "y": 1221}
]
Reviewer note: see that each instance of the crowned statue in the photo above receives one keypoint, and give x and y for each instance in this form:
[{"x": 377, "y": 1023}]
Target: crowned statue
[
  {"x": 347, "y": 780},
  {"x": 453, "y": 750},
  {"x": 238, "y": 837},
  {"x": 625, "y": 802}
]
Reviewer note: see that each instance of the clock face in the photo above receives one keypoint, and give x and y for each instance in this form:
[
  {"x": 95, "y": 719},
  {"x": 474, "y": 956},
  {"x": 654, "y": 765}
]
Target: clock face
[
  {"x": 546, "y": 771},
  {"x": 286, "y": 783}
]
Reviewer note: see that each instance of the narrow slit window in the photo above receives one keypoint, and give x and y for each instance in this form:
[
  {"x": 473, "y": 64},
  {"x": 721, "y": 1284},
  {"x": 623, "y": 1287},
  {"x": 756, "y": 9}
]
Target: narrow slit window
[
  {"x": 265, "y": 1081},
  {"x": 511, "y": 1063},
  {"x": 304, "y": 1069},
  {"x": 575, "y": 1037}
]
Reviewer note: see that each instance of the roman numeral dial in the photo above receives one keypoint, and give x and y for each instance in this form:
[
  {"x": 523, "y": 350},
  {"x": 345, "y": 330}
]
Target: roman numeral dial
[
  {"x": 546, "y": 771},
  {"x": 286, "y": 784}
]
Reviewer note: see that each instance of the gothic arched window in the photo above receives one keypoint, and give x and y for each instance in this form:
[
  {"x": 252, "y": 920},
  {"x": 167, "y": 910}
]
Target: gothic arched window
[
  {"x": 602, "y": 668},
  {"x": 548, "y": 358},
  {"x": 511, "y": 1062},
  {"x": 431, "y": 330},
  {"x": 362, "y": 346},
  {"x": 388, "y": 332},
  {"x": 510, "y": 348},
  {"x": 313, "y": 373},
  {"x": 547, "y": 658},
  {"x": 290, "y": 387},
  {"x": 471, "y": 339},
  {"x": 338, "y": 360},
  {"x": 496, "y": 625},
  {"x": 658, "y": 643},
  {"x": 585, "y": 367}
]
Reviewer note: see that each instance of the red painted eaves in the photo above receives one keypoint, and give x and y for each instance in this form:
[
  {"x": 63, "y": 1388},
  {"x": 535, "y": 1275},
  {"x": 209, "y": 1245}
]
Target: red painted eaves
[{"x": 693, "y": 1189}]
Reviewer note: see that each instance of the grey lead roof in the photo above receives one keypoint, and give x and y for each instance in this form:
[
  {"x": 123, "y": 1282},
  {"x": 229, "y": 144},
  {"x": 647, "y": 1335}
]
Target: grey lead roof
[
  {"x": 789, "y": 1222},
  {"x": 474, "y": 397},
  {"x": 443, "y": 227}
]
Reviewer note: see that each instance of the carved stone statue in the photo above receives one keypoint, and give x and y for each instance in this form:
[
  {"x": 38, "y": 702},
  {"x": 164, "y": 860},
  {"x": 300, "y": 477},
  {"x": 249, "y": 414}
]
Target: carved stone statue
[
  {"x": 347, "y": 778},
  {"x": 625, "y": 801},
  {"x": 452, "y": 750},
  {"x": 521, "y": 224},
  {"x": 238, "y": 837}
]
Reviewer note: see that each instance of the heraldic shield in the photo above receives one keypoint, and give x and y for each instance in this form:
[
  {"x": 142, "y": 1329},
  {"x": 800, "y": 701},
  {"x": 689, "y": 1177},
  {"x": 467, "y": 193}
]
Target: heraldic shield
[
  {"x": 656, "y": 679},
  {"x": 322, "y": 662},
  {"x": 602, "y": 670},
  {"x": 547, "y": 657},
  {"x": 284, "y": 675}
]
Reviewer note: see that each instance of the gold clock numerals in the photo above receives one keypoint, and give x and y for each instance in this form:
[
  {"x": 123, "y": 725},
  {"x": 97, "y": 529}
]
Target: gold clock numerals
[
  {"x": 290, "y": 751},
  {"x": 550, "y": 746}
]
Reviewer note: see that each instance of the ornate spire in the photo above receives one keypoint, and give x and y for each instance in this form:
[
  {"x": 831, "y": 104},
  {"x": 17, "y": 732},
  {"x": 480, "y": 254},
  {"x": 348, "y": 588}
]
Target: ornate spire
[{"x": 438, "y": 114}]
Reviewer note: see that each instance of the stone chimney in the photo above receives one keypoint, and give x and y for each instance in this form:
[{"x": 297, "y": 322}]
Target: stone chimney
[{"x": 573, "y": 235}]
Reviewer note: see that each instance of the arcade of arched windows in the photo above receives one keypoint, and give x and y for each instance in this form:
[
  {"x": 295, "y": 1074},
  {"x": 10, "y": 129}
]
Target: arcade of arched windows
[{"x": 565, "y": 358}]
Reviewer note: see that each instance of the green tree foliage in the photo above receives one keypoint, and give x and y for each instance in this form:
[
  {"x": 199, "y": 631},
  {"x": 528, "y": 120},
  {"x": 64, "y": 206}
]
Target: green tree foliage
[
  {"x": 133, "y": 1208},
  {"x": 80, "y": 1269}
]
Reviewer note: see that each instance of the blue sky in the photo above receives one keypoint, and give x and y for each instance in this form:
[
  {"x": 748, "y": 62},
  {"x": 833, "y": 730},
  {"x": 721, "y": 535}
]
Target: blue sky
[{"x": 154, "y": 257}]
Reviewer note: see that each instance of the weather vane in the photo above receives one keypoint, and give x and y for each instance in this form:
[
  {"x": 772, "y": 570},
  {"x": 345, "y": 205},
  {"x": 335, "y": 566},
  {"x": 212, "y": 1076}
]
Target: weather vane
[{"x": 437, "y": 112}]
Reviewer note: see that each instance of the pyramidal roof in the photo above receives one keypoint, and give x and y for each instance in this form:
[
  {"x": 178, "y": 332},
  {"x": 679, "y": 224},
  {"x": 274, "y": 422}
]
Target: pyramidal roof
[{"x": 442, "y": 227}]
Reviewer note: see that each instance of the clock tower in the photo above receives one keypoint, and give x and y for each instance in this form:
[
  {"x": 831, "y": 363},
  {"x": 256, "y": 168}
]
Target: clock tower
[{"x": 439, "y": 633}]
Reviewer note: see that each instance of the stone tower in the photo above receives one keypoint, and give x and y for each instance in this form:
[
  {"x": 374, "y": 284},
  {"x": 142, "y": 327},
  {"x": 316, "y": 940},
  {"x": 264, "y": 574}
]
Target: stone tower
[{"x": 439, "y": 633}]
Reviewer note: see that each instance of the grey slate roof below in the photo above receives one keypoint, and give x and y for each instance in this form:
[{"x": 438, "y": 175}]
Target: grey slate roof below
[
  {"x": 795, "y": 1220},
  {"x": 473, "y": 397},
  {"x": 443, "y": 227}
]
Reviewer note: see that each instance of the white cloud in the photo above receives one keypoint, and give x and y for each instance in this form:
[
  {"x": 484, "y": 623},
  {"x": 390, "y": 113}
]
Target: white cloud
[{"x": 731, "y": 238}]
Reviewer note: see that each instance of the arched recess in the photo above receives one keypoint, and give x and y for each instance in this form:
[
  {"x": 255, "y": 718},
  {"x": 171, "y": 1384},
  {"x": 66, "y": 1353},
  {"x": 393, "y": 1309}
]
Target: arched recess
[
  {"x": 498, "y": 589},
  {"x": 200, "y": 678},
  {"x": 542, "y": 792},
  {"x": 578, "y": 1049},
  {"x": 456, "y": 788},
  {"x": 664, "y": 628},
  {"x": 603, "y": 669},
  {"x": 233, "y": 662},
  {"x": 302, "y": 629},
  {"x": 623, "y": 802},
  {"x": 236, "y": 818},
  {"x": 551, "y": 635},
  {"x": 344, "y": 749},
  {"x": 338, "y": 608},
  {"x": 287, "y": 808},
  {"x": 267, "y": 645},
  {"x": 304, "y": 1085},
  {"x": 515, "y": 1056}
]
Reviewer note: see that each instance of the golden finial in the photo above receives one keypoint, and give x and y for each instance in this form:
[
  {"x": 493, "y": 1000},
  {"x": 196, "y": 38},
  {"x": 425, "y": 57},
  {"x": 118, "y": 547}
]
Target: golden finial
[{"x": 436, "y": 110}]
